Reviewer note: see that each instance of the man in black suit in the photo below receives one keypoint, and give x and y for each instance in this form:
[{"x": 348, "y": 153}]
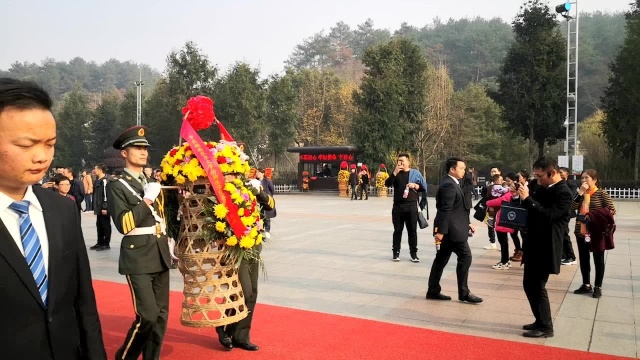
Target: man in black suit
[
  {"x": 568, "y": 256},
  {"x": 47, "y": 304},
  {"x": 548, "y": 218},
  {"x": 451, "y": 231}
]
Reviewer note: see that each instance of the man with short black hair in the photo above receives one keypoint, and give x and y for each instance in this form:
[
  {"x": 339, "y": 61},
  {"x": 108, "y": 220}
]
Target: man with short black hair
[
  {"x": 47, "y": 303},
  {"x": 547, "y": 220},
  {"x": 568, "y": 256},
  {"x": 134, "y": 203},
  {"x": 101, "y": 209},
  {"x": 451, "y": 234},
  {"x": 407, "y": 184}
]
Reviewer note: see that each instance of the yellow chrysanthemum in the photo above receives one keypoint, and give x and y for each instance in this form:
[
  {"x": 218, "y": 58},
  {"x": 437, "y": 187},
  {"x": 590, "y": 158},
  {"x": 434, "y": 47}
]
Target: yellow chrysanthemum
[
  {"x": 254, "y": 232},
  {"x": 259, "y": 239},
  {"x": 230, "y": 187},
  {"x": 232, "y": 241},
  {"x": 248, "y": 221},
  {"x": 247, "y": 242},
  {"x": 220, "y": 211},
  {"x": 241, "y": 212},
  {"x": 180, "y": 179},
  {"x": 220, "y": 226}
]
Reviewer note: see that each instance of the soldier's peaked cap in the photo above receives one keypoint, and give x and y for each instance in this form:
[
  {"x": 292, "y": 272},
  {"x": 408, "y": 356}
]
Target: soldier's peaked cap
[{"x": 134, "y": 136}]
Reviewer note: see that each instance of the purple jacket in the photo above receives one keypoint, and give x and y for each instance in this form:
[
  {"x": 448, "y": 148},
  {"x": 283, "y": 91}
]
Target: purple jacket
[{"x": 601, "y": 227}]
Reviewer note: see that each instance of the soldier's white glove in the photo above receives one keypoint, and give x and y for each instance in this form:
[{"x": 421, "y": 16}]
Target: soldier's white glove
[
  {"x": 151, "y": 191},
  {"x": 172, "y": 247},
  {"x": 256, "y": 184}
]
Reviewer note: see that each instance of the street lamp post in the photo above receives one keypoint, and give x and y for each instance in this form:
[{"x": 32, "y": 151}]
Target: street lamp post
[{"x": 139, "y": 84}]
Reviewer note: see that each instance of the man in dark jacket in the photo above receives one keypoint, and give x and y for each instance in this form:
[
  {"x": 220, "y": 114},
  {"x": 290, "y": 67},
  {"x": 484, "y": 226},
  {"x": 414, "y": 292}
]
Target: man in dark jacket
[
  {"x": 548, "y": 218},
  {"x": 568, "y": 256},
  {"x": 451, "y": 227},
  {"x": 100, "y": 209},
  {"x": 353, "y": 182},
  {"x": 269, "y": 189}
]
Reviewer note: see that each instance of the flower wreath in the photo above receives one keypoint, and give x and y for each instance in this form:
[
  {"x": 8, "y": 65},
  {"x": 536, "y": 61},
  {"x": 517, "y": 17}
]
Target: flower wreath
[{"x": 180, "y": 166}]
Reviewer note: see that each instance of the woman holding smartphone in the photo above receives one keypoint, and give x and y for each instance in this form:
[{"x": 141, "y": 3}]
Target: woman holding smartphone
[{"x": 590, "y": 197}]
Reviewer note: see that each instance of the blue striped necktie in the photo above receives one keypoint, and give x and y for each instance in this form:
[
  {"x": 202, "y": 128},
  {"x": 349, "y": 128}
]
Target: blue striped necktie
[{"x": 32, "y": 248}]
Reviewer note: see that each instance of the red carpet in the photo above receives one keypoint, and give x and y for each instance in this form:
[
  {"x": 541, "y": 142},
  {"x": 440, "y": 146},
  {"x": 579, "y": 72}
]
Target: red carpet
[{"x": 285, "y": 333}]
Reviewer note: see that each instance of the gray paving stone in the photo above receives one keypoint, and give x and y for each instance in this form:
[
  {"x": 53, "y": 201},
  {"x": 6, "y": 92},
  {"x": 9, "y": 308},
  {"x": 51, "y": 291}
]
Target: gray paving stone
[
  {"x": 615, "y": 310},
  {"x": 614, "y": 338},
  {"x": 571, "y": 333}
]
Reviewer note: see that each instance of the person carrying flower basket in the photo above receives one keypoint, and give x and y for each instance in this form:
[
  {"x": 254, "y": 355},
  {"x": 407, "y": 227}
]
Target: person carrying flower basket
[{"x": 222, "y": 222}]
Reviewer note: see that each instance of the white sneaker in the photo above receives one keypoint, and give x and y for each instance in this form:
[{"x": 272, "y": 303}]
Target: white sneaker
[
  {"x": 267, "y": 235},
  {"x": 491, "y": 246},
  {"x": 501, "y": 266}
]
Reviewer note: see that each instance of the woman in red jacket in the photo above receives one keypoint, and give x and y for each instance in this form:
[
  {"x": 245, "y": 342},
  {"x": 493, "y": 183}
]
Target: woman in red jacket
[{"x": 501, "y": 231}]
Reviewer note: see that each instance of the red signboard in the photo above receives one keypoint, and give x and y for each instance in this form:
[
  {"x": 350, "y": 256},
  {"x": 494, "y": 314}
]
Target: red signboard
[{"x": 326, "y": 157}]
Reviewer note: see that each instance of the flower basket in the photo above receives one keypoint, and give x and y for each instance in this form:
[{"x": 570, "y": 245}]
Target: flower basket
[
  {"x": 212, "y": 292},
  {"x": 381, "y": 177},
  {"x": 342, "y": 189}
]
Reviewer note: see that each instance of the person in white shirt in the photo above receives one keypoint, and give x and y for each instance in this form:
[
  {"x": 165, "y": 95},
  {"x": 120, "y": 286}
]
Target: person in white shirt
[{"x": 47, "y": 304}]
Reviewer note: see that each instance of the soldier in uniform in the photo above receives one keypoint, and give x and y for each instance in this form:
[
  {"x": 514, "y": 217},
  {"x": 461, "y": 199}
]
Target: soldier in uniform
[
  {"x": 237, "y": 334},
  {"x": 136, "y": 207}
]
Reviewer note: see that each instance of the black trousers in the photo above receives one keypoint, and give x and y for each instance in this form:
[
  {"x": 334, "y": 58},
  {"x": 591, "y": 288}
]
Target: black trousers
[
  {"x": 534, "y": 282},
  {"x": 567, "y": 248},
  {"x": 402, "y": 216},
  {"x": 492, "y": 234},
  {"x": 462, "y": 250},
  {"x": 585, "y": 262},
  {"x": 248, "y": 272},
  {"x": 354, "y": 192},
  {"x": 150, "y": 295},
  {"x": 363, "y": 191},
  {"x": 103, "y": 224},
  {"x": 516, "y": 240},
  {"x": 503, "y": 240}
]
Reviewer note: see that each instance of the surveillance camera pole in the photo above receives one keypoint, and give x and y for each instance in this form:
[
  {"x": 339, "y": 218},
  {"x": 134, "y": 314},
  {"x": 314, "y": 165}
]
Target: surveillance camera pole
[
  {"x": 572, "y": 17},
  {"x": 139, "y": 85}
]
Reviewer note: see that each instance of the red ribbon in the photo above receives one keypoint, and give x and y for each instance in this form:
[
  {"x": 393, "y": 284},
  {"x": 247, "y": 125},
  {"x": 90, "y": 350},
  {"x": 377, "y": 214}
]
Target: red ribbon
[{"x": 211, "y": 167}]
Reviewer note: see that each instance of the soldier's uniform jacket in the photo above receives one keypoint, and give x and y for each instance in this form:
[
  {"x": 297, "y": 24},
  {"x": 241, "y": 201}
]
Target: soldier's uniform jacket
[{"x": 139, "y": 254}]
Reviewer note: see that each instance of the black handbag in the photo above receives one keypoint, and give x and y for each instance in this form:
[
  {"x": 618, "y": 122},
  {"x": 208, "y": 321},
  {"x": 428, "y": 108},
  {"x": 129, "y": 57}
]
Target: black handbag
[
  {"x": 423, "y": 217},
  {"x": 513, "y": 216},
  {"x": 480, "y": 211}
]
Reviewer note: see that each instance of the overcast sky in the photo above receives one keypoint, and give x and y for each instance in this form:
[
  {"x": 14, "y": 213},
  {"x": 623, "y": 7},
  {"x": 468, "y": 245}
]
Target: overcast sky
[{"x": 262, "y": 33}]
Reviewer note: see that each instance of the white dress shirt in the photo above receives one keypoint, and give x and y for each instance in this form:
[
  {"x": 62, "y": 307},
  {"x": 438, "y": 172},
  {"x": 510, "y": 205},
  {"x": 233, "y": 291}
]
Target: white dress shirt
[
  {"x": 12, "y": 222},
  {"x": 454, "y": 179}
]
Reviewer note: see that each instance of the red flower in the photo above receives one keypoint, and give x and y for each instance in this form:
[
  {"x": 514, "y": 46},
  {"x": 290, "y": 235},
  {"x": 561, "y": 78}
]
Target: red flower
[
  {"x": 247, "y": 212},
  {"x": 210, "y": 145},
  {"x": 200, "y": 112},
  {"x": 221, "y": 160},
  {"x": 343, "y": 165},
  {"x": 173, "y": 152},
  {"x": 178, "y": 162}
]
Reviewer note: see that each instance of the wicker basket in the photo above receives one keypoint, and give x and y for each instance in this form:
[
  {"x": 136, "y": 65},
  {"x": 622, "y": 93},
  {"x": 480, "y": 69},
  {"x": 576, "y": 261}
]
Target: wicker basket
[
  {"x": 212, "y": 292},
  {"x": 382, "y": 192}
]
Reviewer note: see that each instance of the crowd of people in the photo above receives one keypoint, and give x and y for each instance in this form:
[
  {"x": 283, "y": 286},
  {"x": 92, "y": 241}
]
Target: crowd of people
[{"x": 534, "y": 211}]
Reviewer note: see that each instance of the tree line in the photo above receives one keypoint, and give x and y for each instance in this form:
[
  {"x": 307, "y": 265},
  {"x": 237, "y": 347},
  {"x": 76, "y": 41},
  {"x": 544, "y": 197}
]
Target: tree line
[{"x": 467, "y": 87}]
